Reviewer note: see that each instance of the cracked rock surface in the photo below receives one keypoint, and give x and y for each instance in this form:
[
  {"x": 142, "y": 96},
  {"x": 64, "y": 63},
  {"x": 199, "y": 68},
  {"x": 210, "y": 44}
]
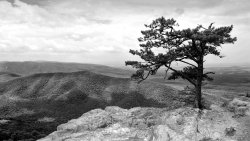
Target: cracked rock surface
[{"x": 148, "y": 124}]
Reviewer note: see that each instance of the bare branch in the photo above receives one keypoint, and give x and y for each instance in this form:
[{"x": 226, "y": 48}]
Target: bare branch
[{"x": 187, "y": 63}]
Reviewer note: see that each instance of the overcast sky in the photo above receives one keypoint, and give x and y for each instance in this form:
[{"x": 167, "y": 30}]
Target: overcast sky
[{"x": 103, "y": 31}]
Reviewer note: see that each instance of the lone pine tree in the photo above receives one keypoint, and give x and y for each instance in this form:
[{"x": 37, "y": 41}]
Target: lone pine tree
[{"x": 188, "y": 46}]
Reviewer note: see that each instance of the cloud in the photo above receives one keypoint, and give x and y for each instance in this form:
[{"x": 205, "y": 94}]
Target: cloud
[
  {"x": 39, "y": 29},
  {"x": 179, "y": 11},
  {"x": 106, "y": 29},
  {"x": 175, "y": 3}
]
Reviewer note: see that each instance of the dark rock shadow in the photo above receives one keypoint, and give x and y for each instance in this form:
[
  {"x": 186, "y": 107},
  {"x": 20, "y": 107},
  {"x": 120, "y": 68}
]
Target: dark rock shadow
[
  {"x": 133, "y": 99},
  {"x": 27, "y": 127}
]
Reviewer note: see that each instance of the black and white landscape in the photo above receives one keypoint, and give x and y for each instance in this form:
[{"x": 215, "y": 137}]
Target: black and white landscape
[
  {"x": 129, "y": 70},
  {"x": 35, "y": 104}
]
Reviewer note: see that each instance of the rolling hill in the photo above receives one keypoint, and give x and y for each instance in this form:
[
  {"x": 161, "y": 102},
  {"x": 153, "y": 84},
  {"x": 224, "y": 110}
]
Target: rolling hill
[
  {"x": 29, "y": 67},
  {"x": 79, "y": 87},
  {"x": 40, "y": 102},
  {"x": 6, "y": 76}
]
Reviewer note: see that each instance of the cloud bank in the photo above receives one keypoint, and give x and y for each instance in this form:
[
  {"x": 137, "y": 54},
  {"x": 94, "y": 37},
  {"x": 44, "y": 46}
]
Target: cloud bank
[{"x": 102, "y": 31}]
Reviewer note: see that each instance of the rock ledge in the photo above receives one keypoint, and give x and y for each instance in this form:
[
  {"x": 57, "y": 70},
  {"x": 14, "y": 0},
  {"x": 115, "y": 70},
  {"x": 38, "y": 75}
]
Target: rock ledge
[{"x": 147, "y": 124}]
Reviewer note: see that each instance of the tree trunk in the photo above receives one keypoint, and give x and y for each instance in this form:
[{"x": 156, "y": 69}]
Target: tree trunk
[
  {"x": 198, "y": 96},
  {"x": 199, "y": 84}
]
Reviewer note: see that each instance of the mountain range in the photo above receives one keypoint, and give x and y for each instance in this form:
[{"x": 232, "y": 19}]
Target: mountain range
[
  {"x": 36, "y": 97},
  {"x": 37, "y": 103}
]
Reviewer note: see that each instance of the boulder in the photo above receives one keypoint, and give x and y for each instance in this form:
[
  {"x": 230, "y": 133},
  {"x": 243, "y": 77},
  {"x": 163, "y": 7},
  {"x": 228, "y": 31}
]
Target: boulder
[
  {"x": 165, "y": 133},
  {"x": 239, "y": 107},
  {"x": 89, "y": 121}
]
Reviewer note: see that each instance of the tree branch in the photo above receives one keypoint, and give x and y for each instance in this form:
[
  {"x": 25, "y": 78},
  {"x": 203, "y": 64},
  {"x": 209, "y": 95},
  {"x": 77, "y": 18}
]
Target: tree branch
[
  {"x": 183, "y": 75},
  {"x": 209, "y": 73},
  {"x": 167, "y": 71},
  {"x": 187, "y": 63},
  {"x": 190, "y": 55},
  {"x": 144, "y": 78}
]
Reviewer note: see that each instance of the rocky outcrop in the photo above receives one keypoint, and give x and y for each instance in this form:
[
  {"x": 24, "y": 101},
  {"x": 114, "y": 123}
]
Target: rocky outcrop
[
  {"x": 239, "y": 107},
  {"x": 147, "y": 124}
]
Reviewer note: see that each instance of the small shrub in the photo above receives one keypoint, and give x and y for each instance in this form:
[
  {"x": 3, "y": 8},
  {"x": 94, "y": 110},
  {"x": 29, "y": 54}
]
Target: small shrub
[
  {"x": 187, "y": 95},
  {"x": 231, "y": 108},
  {"x": 224, "y": 104},
  {"x": 240, "y": 112},
  {"x": 206, "y": 103},
  {"x": 248, "y": 94},
  {"x": 230, "y": 131}
]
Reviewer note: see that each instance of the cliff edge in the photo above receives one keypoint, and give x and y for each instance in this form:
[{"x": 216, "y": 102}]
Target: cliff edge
[{"x": 150, "y": 124}]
